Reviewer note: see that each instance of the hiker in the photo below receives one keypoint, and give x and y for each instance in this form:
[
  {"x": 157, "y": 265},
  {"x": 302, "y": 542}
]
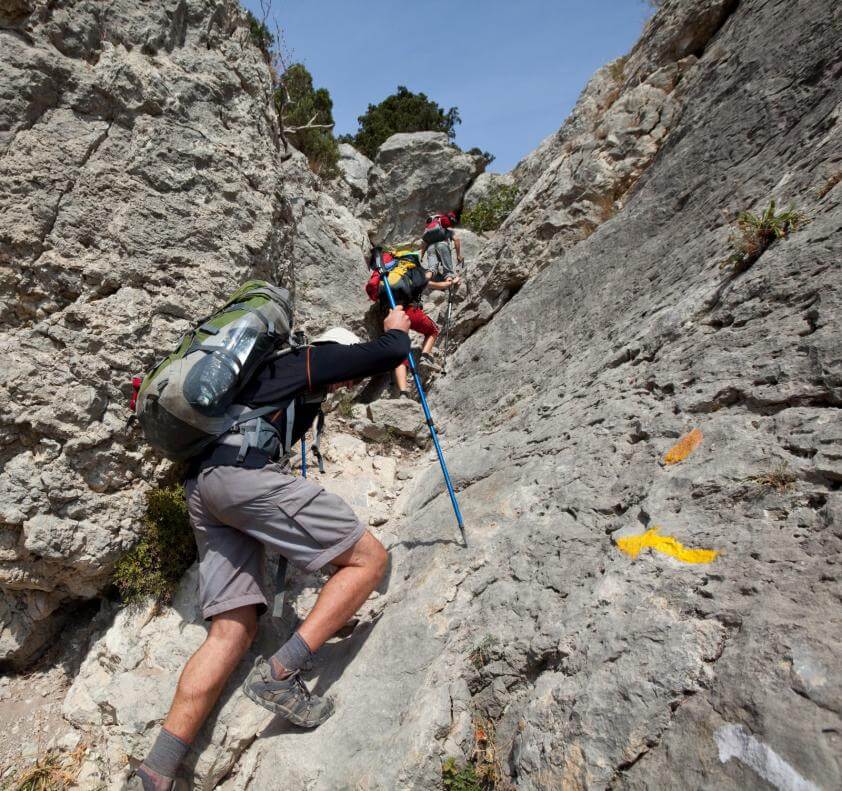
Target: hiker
[
  {"x": 438, "y": 234},
  {"x": 408, "y": 280},
  {"x": 241, "y": 499}
]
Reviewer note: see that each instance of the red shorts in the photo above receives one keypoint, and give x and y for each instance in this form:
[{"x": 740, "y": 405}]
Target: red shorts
[{"x": 420, "y": 322}]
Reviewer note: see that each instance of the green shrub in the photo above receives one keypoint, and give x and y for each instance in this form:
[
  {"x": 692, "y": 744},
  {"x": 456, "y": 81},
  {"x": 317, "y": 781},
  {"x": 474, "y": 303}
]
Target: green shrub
[
  {"x": 260, "y": 35},
  {"x": 489, "y": 213},
  {"x": 345, "y": 405},
  {"x": 753, "y": 234},
  {"x": 299, "y": 105},
  {"x": 154, "y": 566},
  {"x": 455, "y": 778},
  {"x": 403, "y": 111},
  {"x": 486, "y": 155}
]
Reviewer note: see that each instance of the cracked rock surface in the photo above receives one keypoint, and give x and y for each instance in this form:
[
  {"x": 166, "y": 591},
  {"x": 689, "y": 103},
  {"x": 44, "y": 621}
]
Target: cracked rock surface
[
  {"x": 547, "y": 651},
  {"x": 140, "y": 179}
]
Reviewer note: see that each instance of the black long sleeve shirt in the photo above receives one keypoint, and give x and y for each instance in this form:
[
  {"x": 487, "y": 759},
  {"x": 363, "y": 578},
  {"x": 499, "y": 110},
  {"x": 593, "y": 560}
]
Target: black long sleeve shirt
[{"x": 311, "y": 369}]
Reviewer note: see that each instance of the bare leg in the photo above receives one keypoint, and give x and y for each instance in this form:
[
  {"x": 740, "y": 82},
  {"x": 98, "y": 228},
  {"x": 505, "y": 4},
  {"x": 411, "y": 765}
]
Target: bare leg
[
  {"x": 206, "y": 672},
  {"x": 400, "y": 377},
  {"x": 429, "y": 342},
  {"x": 361, "y": 569}
]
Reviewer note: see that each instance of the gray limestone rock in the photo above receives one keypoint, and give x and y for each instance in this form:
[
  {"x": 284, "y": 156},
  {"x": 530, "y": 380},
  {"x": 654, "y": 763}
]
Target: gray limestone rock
[
  {"x": 355, "y": 168},
  {"x": 414, "y": 175},
  {"x": 588, "y": 661},
  {"x": 139, "y": 164}
]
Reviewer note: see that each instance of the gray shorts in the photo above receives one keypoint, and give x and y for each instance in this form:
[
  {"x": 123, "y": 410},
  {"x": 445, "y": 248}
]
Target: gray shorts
[
  {"x": 236, "y": 512},
  {"x": 440, "y": 259}
]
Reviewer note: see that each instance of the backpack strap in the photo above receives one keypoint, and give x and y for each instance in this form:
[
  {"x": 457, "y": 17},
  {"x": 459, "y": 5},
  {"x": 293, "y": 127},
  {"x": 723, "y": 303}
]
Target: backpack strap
[{"x": 290, "y": 419}]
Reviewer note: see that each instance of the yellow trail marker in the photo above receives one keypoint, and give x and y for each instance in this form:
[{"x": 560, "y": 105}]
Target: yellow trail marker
[
  {"x": 684, "y": 447},
  {"x": 651, "y": 539}
]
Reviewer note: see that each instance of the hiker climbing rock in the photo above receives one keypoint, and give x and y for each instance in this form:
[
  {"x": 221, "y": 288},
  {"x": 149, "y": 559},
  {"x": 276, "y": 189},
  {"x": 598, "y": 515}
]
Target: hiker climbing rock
[
  {"x": 435, "y": 243},
  {"x": 243, "y": 497},
  {"x": 408, "y": 280}
]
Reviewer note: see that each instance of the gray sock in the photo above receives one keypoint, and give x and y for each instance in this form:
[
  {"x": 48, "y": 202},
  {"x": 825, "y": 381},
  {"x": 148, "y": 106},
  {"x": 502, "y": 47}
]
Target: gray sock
[
  {"x": 167, "y": 754},
  {"x": 292, "y": 655}
]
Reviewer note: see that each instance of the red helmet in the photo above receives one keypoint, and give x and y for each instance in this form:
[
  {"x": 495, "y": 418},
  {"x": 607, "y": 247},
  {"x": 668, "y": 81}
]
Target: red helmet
[{"x": 451, "y": 215}]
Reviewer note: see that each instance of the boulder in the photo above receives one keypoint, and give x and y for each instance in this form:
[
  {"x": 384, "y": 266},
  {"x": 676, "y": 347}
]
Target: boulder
[
  {"x": 413, "y": 175},
  {"x": 324, "y": 254},
  {"x": 355, "y": 167},
  {"x": 398, "y": 418}
]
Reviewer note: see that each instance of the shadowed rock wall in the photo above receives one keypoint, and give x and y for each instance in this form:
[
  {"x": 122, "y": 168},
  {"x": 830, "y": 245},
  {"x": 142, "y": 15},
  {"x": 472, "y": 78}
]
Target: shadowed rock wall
[{"x": 139, "y": 185}]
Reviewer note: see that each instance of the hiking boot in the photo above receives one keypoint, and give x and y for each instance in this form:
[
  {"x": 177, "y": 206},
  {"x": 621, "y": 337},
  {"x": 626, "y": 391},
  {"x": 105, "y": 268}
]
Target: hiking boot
[
  {"x": 427, "y": 362},
  {"x": 134, "y": 783},
  {"x": 288, "y": 697}
]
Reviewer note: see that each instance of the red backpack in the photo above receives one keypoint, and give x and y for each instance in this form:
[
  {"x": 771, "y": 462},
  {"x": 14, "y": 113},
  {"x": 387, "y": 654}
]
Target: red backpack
[{"x": 436, "y": 228}]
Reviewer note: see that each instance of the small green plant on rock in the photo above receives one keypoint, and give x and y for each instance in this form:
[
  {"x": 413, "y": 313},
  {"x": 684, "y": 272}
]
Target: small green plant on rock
[
  {"x": 753, "y": 234},
  {"x": 481, "y": 653},
  {"x": 617, "y": 68},
  {"x": 345, "y": 405},
  {"x": 489, "y": 213},
  {"x": 459, "y": 778},
  {"x": 260, "y": 35},
  {"x": 154, "y": 566}
]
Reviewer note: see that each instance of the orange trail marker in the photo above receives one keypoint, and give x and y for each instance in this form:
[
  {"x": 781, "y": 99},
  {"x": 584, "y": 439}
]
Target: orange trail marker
[
  {"x": 684, "y": 447},
  {"x": 667, "y": 545}
]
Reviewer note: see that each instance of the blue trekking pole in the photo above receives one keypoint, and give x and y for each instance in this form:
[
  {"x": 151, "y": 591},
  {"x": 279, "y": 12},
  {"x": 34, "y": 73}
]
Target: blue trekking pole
[
  {"x": 378, "y": 253},
  {"x": 303, "y": 458}
]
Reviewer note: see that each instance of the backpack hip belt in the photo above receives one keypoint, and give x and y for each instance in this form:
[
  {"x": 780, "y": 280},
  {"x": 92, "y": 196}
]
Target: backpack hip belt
[{"x": 254, "y": 442}]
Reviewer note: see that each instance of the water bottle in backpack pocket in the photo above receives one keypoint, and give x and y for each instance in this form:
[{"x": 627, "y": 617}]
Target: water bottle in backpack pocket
[
  {"x": 210, "y": 385},
  {"x": 188, "y": 400}
]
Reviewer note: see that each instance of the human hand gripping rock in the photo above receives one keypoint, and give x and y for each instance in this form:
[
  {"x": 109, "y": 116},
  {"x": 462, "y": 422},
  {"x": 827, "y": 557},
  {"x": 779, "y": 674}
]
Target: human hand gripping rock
[{"x": 396, "y": 320}]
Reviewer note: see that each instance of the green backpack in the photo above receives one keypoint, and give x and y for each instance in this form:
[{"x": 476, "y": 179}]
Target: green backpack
[{"x": 188, "y": 399}]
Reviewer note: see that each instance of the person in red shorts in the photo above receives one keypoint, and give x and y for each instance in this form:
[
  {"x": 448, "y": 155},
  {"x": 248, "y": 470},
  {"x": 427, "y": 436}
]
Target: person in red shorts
[
  {"x": 421, "y": 323},
  {"x": 408, "y": 295}
]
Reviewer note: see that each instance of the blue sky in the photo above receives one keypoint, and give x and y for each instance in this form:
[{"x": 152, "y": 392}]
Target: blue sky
[{"x": 514, "y": 69}]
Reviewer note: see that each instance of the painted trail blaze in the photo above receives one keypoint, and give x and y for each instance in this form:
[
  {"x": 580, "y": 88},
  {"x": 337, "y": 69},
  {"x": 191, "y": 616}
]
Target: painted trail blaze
[
  {"x": 667, "y": 545},
  {"x": 684, "y": 447}
]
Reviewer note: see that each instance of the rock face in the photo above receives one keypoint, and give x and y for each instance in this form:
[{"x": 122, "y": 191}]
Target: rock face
[
  {"x": 625, "y": 617},
  {"x": 603, "y": 671},
  {"x": 413, "y": 175},
  {"x": 355, "y": 168},
  {"x": 595, "y": 669},
  {"x": 583, "y": 175},
  {"x": 325, "y": 249},
  {"x": 141, "y": 185}
]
